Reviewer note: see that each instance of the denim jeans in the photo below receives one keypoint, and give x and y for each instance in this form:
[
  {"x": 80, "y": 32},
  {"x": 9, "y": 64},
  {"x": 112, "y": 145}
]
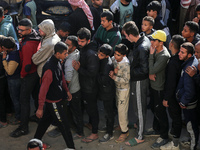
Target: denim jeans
[{"x": 14, "y": 89}]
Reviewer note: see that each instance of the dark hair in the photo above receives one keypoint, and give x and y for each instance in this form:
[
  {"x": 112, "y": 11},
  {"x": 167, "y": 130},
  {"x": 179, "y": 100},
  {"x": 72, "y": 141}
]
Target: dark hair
[
  {"x": 109, "y": 15},
  {"x": 1, "y": 11},
  {"x": 198, "y": 7},
  {"x": 84, "y": 33},
  {"x": 5, "y": 5},
  {"x": 2, "y": 37},
  {"x": 149, "y": 19},
  {"x": 194, "y": 27},
  {"x": 121, "y": 48},
  {"x": 155, "y": 6},
  {"x": 189, "y": 47},
  {"x": 9, "y": 42},
  {"x": 177, "y": 40},
  {"x": 25, "y": 22},
  {"x": 106, "y": 49},
  {"x": 131, "y": 28},
  {"x": 73, "y": 39},
  {"x": 34, "y": 144},
  {"x": 60, "y": 47},
  {"x": 65, "y": 26}
]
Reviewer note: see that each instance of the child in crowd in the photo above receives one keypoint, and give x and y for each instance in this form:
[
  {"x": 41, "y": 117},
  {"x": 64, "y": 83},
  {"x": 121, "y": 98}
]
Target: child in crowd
[
  {"x": 197, "y": 18},
  {"x": 121, "y": 76},
  {"x": 189, "y": 32},
  {"x": 147, "y": 25},
  {"x": 153, "y": 10},
  {"x": 50, "y": 95},
  {"x": 106, "y": 89},
  {"x": 11, "y": 61}
]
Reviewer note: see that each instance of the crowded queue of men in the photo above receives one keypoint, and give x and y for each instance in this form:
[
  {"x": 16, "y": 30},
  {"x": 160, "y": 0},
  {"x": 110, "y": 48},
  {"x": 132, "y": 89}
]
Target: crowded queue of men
[{"x": 102, "y": 55}]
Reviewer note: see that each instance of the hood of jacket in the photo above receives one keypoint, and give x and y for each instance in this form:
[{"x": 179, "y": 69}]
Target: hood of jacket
[
  {"x": 33, "y": 36},
  {"x": 47, "y": 26},
  {"x": 7, "y": 19},
  {"x": 90, "y": 46}
]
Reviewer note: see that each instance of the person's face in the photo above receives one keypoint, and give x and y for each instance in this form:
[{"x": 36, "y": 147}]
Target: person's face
[
  {"x": 198, "y": 14},
  {"x": 118, "y": 56},
  {"x": 7, "y": 49},
  {"x": 105, "y": 23},
  {"x": 82, "y": 42},
  {"x": 151, "y": 13},
  {"x": 146, "y": 26},
  {"x": 63, "y": 34},
  {"x": 42, "y": 33},
  {"x": 183, "y": 55},
  {"x": 63, "y": 55},
  {"x": 155, "y": 43},
  {"x": 23, "y": 31},
  {"x": 197, "y": 51},
  {"x": 186, "y": 33},
  {"x": 102, "y": 55},
  {"x": 128, "y": 37},
  {"x": 97, "y": 3},
  {"x": 71, "y": 48}
]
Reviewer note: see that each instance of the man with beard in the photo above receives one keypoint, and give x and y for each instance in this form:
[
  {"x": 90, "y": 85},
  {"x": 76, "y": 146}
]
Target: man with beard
[
  {"x": 88, "y": 67},
  {"x": 186, "y": 92},
  {"x": 29, "y": 76}
]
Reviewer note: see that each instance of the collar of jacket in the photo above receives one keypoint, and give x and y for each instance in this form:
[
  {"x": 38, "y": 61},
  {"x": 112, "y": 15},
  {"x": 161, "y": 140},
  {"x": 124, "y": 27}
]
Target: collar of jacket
[{"x": 187, "y": 61}]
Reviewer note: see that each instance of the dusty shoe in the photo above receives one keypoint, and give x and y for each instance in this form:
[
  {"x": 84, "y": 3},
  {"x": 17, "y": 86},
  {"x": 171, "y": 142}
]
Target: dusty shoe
[
  {"x": 106, "y": 138},
  {"x": 159, "y": 142},
  {"x": 54, "y": 133},
  {"x": 170, "y": 146},
  {"x": 151, "y": 132}
]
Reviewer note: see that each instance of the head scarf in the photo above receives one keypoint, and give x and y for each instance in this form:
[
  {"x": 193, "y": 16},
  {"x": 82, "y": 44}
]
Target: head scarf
[{"x": 82, "y": 4}]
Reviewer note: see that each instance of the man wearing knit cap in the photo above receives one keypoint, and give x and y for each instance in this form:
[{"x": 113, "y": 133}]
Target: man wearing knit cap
[
  {"x": 158, "y": 60},
  {"x": 81, "y": 17},
  {"x": 35, "y": 144}
]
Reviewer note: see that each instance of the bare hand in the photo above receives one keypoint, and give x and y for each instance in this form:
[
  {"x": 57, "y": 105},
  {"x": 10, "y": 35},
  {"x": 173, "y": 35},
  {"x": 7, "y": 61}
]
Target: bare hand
[
  {"x": 191, "y": 70},
  {"x": 111, "y": 75},
  {"x": 116, "y": 70},
  {"x": 152, "y": 50},
  {"x": 76, "y": 64},
  {"x": 39, "y": 113},
  {"x": 183, "y": 107},
  {"x": 165, "y": 103},
  {"x": 4, "y": 54},
  {"x": 69, "y": 96},
  {"x": 196, "y": 20},
  {"x": 152, "y": 77}
]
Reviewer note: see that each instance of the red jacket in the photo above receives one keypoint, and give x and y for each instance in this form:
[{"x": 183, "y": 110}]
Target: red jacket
[{"x": 28, "y": 46}]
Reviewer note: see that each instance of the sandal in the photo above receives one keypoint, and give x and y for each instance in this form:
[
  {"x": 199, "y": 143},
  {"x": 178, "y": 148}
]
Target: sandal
[
  {"x": 122, "y": 137},
  {"x": 3, "y": 125},
  {"x": 133, "y": 142},
  {"x": 88, "y": 140},
  {"x": 77, "y": 136}
]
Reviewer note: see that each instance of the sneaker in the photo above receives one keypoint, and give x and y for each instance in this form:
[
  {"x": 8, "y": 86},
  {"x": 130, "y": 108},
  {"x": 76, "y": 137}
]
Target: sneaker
[
  {"x": 50, "y": 128},
  {"x": 170, "y": 146},
  {"x": 185, "y": 143},
  {"x": 69, "y": 149},
  {"x": 159, "y": 142},
  {"x": 54, "y": 133},
  {"x": 106, "y": 138},
  {"x": 151, "y": 132},
  {"x": 19, "y": 132}
]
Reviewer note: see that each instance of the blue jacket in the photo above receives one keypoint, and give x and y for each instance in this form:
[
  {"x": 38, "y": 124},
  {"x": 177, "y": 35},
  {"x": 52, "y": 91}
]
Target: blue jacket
[{"x": 186, "y": 90}]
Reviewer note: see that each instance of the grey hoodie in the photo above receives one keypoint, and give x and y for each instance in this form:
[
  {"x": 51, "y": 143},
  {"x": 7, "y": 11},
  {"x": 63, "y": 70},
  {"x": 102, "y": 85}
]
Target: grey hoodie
[{"x": 47, "y": 45}]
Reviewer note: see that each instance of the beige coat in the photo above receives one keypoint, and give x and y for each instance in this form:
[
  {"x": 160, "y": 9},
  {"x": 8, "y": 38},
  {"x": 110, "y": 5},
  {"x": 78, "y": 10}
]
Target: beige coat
[{"x": 47, "y": 45}]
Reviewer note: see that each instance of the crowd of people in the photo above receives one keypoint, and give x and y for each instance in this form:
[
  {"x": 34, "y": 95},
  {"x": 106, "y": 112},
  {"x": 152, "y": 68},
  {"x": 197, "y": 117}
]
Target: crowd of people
[{"x": 119, "y": 56}]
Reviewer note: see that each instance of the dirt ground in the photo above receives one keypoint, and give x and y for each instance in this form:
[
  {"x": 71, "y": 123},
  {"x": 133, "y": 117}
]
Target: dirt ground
[{"x": 9, "y": 143}]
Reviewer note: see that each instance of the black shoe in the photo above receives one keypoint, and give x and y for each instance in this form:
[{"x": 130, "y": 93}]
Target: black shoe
[
  {"x": 34, "y": 118},
  {"x": 19, "y": 132}
]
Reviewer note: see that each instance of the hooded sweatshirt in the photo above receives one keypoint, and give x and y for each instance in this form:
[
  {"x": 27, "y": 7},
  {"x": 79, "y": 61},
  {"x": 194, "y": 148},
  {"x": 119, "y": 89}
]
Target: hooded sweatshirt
[
  {"x": 7, "y": 29},
  {"x": 47, "y": 45}
]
